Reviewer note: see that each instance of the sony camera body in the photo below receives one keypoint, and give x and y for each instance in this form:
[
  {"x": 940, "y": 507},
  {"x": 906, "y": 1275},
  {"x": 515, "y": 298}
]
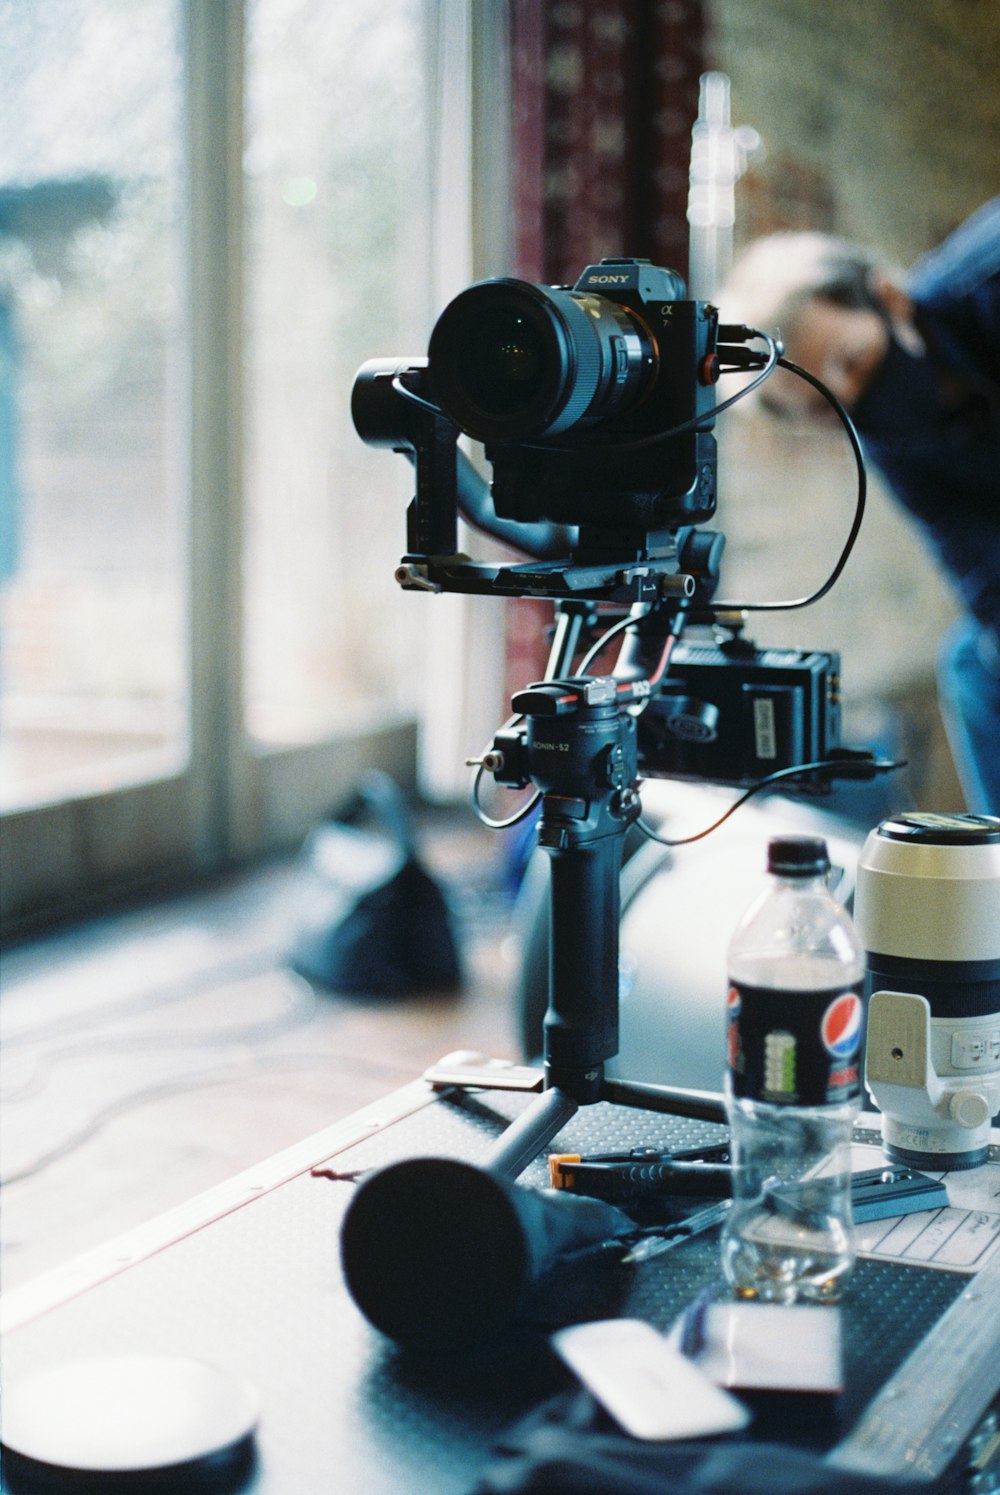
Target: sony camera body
[{"x": 574, "y": 392}]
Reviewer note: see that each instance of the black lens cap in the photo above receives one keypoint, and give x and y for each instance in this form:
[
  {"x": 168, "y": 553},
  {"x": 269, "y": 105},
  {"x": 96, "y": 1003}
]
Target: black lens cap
[
  {"x": 798, "y": 856},
  {"x": 929, "y": 829}
]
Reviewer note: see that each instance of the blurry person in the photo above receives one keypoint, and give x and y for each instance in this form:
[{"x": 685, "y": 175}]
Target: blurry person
[{"x": 915, "y": 358}]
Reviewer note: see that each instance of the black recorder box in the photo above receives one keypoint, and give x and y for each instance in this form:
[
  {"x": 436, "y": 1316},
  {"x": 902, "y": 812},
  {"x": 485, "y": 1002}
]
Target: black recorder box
[{"x": 735, "y": 713}]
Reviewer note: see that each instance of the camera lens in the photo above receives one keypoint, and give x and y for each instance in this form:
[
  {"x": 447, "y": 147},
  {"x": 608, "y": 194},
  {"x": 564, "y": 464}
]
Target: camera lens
[
  {"x": 510, "y": 360},
  {"x": 501, "y": 362}
]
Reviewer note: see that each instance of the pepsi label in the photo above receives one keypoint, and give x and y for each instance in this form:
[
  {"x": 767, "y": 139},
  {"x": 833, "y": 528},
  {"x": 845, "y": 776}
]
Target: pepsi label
[{"x": 795, "y": 1048}]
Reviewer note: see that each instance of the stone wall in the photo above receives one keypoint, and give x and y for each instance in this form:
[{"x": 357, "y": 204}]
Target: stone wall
[{"x": 879, "y": 120}]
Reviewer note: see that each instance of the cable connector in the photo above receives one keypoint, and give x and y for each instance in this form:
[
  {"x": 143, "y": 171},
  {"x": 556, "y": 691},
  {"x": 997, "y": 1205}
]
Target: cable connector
[
  {"x": 739, "y": 358},
  {"x": 737, "y": 332},
  {"x": 858, "y": 763}
]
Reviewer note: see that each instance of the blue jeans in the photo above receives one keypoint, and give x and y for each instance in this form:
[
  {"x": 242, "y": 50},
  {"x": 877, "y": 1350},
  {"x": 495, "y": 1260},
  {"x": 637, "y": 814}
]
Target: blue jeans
[{"x": 969, "y": 690}]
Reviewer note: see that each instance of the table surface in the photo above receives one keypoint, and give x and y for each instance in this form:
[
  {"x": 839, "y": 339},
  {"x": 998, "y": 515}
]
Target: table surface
[{"x": 248, "y": 1276}]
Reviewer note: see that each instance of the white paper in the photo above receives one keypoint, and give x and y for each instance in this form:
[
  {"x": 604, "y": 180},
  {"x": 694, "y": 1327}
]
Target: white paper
[
  {"x": 649, "y": 1388},
  {"x": 772, "y": 1347}
]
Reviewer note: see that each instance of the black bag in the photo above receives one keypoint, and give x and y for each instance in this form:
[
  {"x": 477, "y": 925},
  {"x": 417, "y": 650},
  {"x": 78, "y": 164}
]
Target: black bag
[
  {"x": 570, "y": 1447},
  {"x": 373, "y": 922}
]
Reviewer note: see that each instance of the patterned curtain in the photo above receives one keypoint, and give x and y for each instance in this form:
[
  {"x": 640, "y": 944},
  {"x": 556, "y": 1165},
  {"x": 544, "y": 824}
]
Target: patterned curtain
[{"x": 605, "y": 93}]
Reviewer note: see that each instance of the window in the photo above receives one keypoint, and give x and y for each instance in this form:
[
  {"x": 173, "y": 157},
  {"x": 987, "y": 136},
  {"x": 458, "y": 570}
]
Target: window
[
  {"x": 210, "y": 215},
  {"x": 90, "y": 278},
  {"x": 337, "y": 251}
]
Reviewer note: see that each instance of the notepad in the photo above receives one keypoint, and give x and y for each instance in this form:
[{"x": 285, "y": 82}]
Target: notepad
[{"x": 770, "y": 1347}]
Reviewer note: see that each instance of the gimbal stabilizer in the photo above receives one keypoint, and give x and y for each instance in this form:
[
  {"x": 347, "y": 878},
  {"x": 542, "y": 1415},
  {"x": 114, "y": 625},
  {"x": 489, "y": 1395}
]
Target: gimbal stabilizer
[{"x": 596, "y": 410}]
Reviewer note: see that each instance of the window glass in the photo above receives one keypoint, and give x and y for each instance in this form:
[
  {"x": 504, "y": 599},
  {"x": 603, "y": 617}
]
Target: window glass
[
  {"x": 92, "y": 677},
  {"x": 337, "y": 271}
]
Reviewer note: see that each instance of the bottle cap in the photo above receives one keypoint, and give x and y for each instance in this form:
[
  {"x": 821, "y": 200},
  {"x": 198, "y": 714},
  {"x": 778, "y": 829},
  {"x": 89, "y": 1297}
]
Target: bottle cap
[{"x": 798, "y": 856}]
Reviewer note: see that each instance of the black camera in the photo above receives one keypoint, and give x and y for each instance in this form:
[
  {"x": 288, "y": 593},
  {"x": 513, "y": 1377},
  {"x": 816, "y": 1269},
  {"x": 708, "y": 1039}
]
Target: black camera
[{"x": 595, "y": 402}]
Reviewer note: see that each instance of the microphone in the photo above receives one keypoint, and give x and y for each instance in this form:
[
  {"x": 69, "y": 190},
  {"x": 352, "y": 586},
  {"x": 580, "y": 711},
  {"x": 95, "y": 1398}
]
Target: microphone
[{"x": 438, "y": 1254}]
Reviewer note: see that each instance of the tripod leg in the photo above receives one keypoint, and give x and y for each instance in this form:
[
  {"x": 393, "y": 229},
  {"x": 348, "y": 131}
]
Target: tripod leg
[
  {"x": 701, "y": 1105},
  {"x": 526, "y": 1137}
]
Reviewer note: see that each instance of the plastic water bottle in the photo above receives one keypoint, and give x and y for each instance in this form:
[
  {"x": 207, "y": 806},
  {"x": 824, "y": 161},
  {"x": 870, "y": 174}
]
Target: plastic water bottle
[{"x": 796, "y": 969}]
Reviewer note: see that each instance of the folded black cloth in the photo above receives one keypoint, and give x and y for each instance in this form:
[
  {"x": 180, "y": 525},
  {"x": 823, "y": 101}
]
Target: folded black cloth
[
  {"x": 372, "y": 921},
  {"x": 571, "y": 1448}
]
